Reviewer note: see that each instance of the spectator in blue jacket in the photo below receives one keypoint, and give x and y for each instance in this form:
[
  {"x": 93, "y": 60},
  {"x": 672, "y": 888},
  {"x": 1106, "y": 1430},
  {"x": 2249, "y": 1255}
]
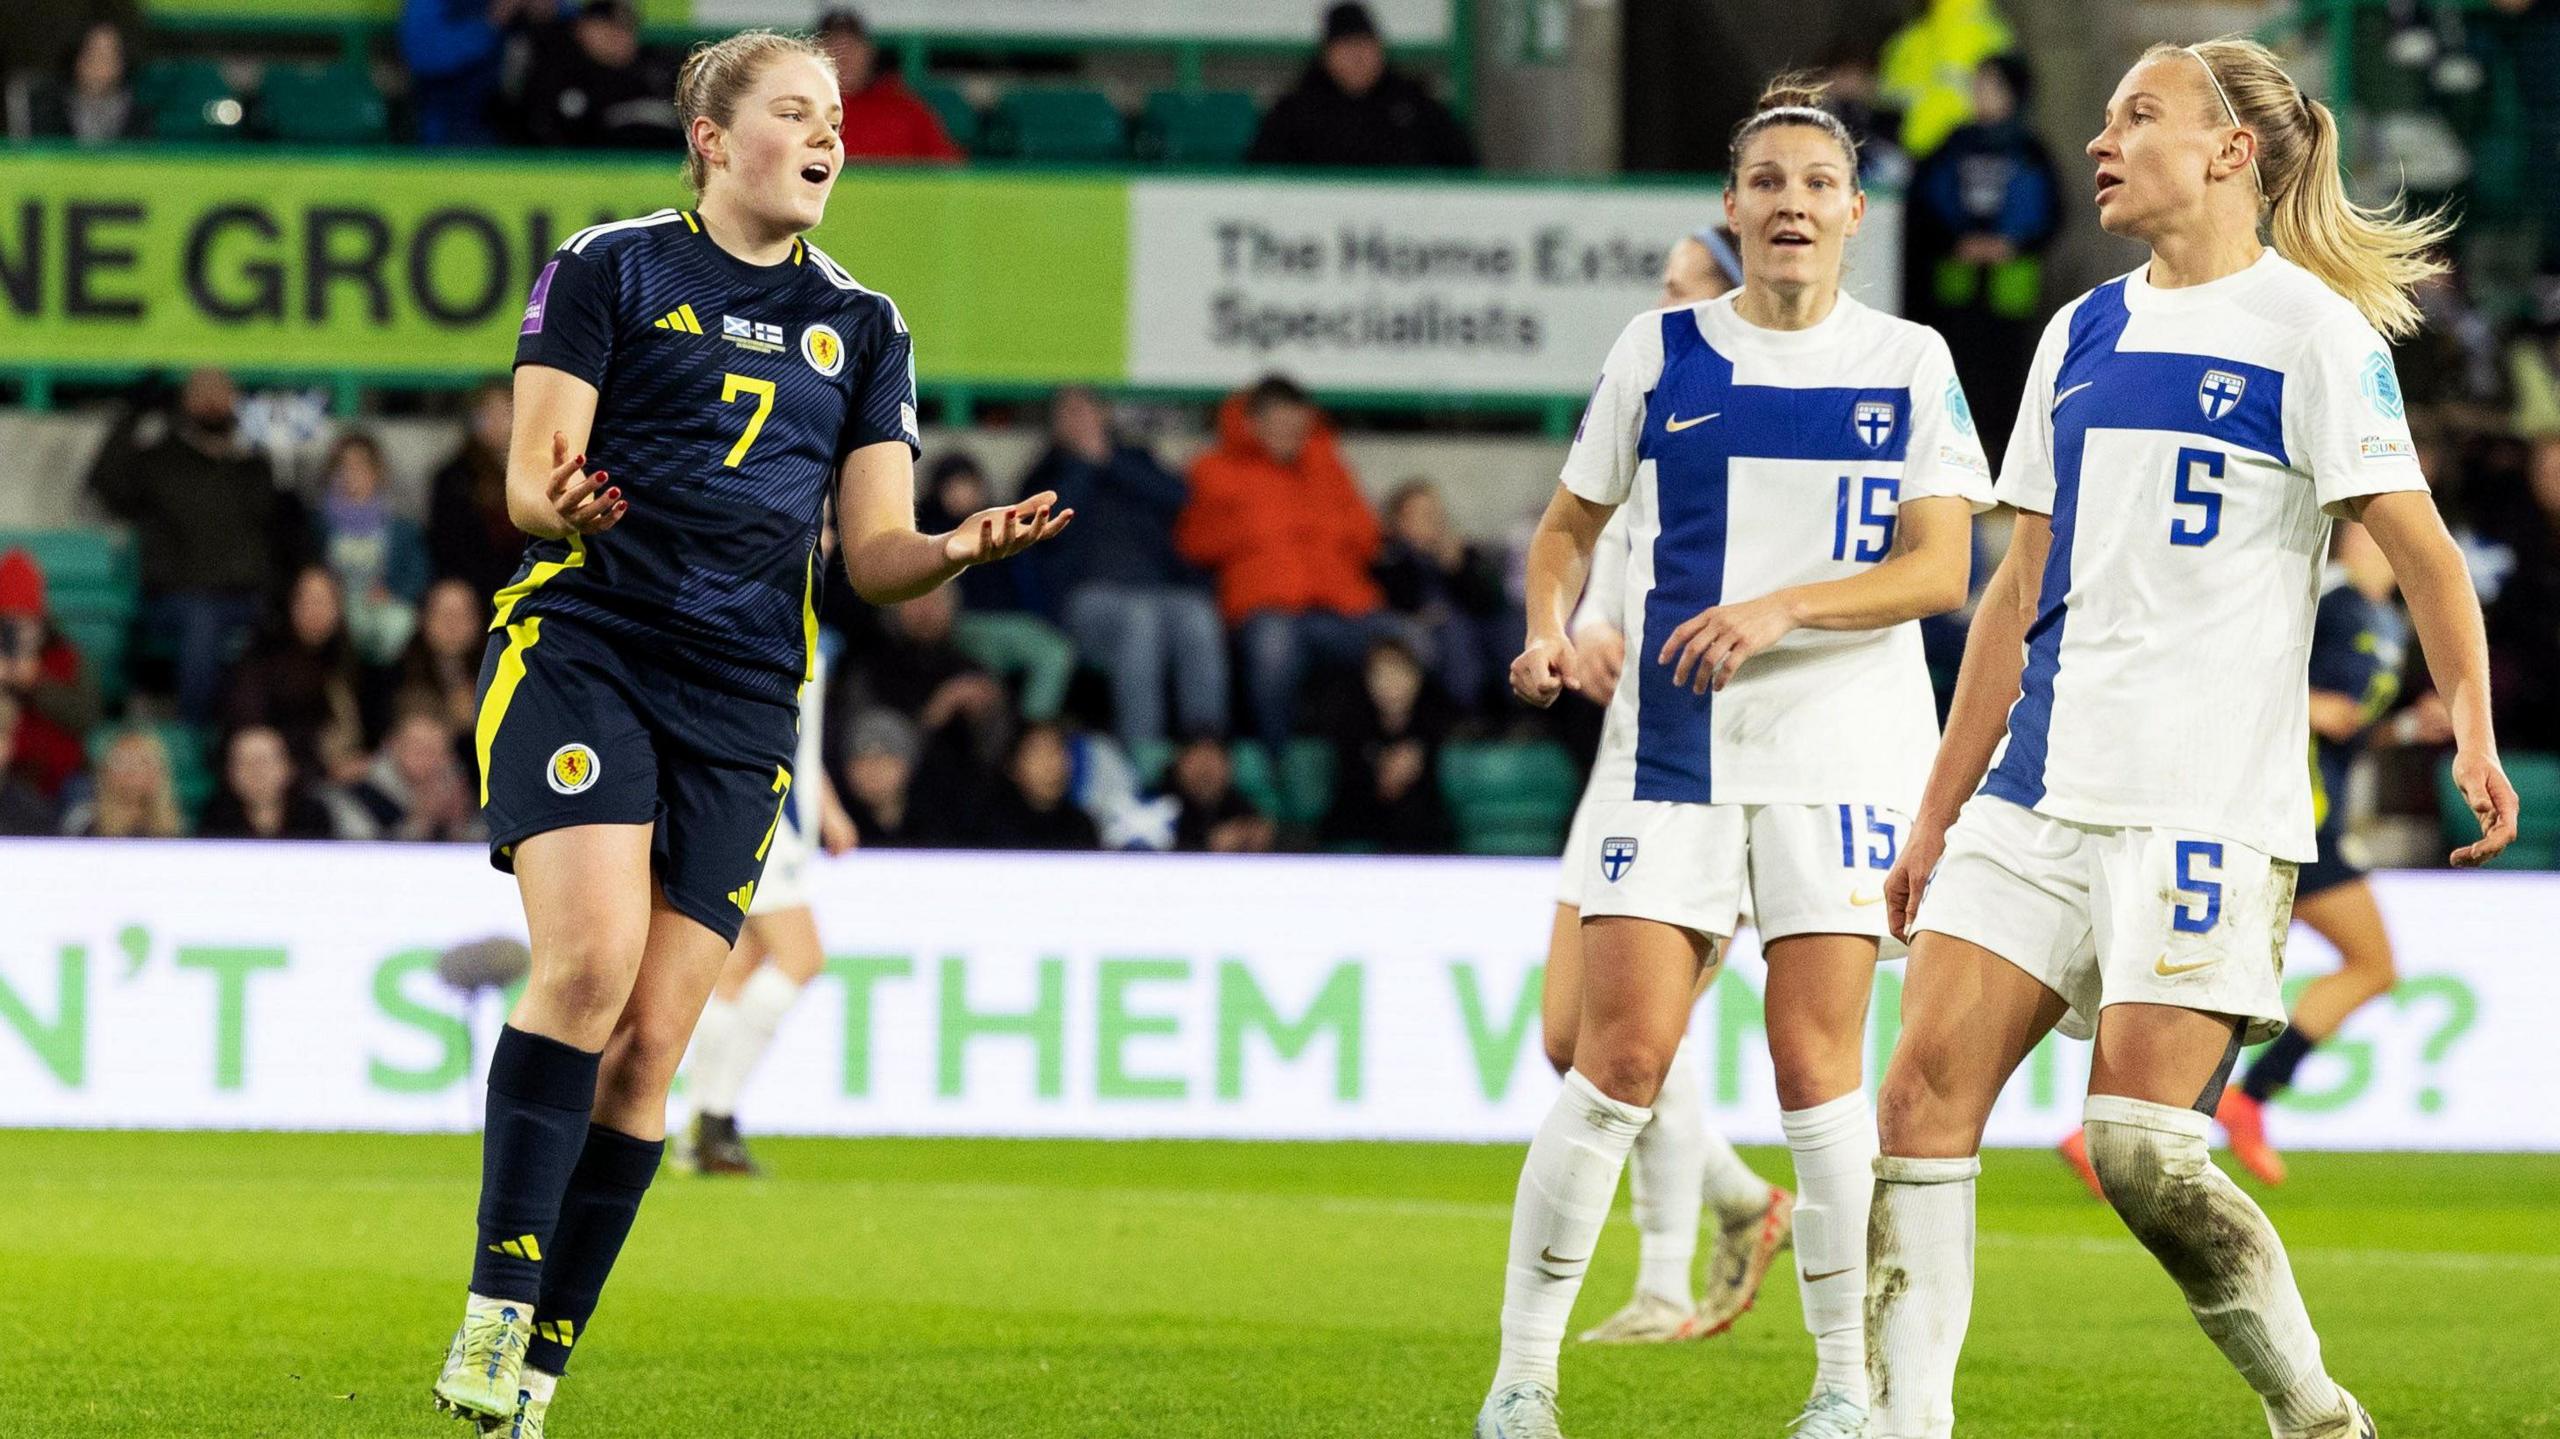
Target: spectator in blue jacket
[
  {"x": 1135, "y": 608},
  {"x": 456, "y": 54}
]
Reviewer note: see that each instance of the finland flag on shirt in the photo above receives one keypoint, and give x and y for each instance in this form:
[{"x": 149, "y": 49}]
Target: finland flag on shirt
[
  {"x": 1750, "y": 460},
  {"x": 2190, "y": 445}
]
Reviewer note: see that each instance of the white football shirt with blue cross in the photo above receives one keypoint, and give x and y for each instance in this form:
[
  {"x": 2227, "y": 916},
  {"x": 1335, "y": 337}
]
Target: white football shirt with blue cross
[
  {"x": 1749, "y": 461},
  {"x": 2191, "y": 446}
]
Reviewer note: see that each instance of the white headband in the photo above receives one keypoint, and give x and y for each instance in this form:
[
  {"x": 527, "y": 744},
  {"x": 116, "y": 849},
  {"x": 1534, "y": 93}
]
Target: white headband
[{"x": 2220, "y": 94}]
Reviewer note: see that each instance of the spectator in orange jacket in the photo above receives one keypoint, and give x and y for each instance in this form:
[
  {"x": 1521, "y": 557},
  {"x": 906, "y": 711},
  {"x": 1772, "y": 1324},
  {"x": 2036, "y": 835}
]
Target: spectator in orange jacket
[
  {"x": 883, "y": 119},
  {"x": 1276, "y": 517}
]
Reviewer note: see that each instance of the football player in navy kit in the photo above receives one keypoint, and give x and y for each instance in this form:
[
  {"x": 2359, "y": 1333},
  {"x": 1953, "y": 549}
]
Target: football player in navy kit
[{"x": 690, "y": 385}]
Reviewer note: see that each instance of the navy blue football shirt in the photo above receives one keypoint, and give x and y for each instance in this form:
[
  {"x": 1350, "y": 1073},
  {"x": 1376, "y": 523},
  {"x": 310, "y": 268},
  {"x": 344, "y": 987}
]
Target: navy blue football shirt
[{"x": 728, "y": 396}]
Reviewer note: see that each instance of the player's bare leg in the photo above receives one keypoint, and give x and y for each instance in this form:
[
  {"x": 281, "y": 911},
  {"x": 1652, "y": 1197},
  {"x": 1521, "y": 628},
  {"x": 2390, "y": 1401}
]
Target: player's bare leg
[
  {"x": 2156, "y": 1077},
  {"x": 2347, "y": 917},
  {"x": 777, "y": 955},
  {"x": 1817, "y": 1024},
  {"x": 1969, "y": 1019}
]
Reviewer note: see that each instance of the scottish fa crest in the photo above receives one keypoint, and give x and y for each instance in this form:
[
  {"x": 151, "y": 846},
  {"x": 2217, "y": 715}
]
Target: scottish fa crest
[
  {"x": 1873, "y": 420},
  {"x": 2219, "y": 391},
  {"x": 1617, "y": 856}
]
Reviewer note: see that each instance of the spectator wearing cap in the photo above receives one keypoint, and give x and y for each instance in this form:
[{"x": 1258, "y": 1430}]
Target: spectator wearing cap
[
  {"x": 878, "y": 771},
  {"x": 1351, "y": 108},
  {"x": 215, "y": 535},
  {"x": 1276, "y": 517},
  {"x": 592, "y": 84},
  {"x": 24, "y": 810},
  {"x": 883, "y": 119},
  {"x": 1135, "y": 607},
  {"x": 54, "y": 701}
]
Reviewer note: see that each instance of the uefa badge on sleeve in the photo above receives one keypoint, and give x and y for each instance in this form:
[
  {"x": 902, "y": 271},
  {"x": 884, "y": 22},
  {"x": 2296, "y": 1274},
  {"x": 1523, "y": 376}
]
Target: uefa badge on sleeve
[
  {"x": 573, "y": 769},
  {"x": 823, "y": 348},
  {"x": 1617, "y": 856}
]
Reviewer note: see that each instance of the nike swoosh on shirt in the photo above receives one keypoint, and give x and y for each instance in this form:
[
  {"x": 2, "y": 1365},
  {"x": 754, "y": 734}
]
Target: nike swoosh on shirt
[
  {"x": 2067, "y": 394},
  {"x": 1675, "y": 424}
]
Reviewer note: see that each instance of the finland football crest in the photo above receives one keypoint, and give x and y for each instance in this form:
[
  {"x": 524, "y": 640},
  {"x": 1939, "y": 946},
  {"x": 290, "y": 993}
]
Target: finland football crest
[
  {"x": 2218, "y": 391},
  {"x": 1873, "y": 420},
  {"x": 1617, "y": 856}
]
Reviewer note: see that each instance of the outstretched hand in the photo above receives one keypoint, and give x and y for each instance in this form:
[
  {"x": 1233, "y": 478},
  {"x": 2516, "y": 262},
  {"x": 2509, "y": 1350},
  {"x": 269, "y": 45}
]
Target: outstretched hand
[{"x": 1006, "y": 530}]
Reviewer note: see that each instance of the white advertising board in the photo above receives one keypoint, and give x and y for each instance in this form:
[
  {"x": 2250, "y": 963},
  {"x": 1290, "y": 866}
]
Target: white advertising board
[
  {"x": 1415, "y": 286},
  {"x": 293, "y": 986}
]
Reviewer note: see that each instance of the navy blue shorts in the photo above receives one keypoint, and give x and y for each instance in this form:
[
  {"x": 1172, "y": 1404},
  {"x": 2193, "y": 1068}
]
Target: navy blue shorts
[
  {"x": 2331, "y": 869},
  {"x": 576, "y": 728}
]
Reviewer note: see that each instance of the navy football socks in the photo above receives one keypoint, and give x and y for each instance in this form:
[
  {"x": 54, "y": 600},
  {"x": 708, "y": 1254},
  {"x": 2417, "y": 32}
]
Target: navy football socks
[
  {"x": 540, "y": 1091},
  {"x": 595, "y": 1217}
]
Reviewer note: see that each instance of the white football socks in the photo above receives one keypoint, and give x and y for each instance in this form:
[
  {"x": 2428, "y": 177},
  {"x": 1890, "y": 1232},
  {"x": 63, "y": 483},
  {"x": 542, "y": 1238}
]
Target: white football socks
[
  {"x": 1666, "y": 1171},
  {"x": 2217, "y": 1244},
  {"x": 1834, "y": 1144},
  {"x": 1920, "y": 1268},
  {"x": 1565, "y": 1188},
  {"x": 734, "y": 1035}
]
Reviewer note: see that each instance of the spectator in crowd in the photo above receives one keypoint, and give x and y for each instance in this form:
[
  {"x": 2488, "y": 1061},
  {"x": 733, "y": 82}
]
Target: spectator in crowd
[
  {"x": 883, "y": 119},
  {"x": 1984, "y": 207},
  {"x": 303, "y": 681},
  {"x": 416, "y": 790},
  {"x": 1276, "y": 517},
  {"x": 591, "y": 84},
  {"x": 1927, "y": 67},
  {"x": 1034, "y": 809},
  {"x": 376, "y": 552},
  {"x": 261, "y": 795},
  {"x": 55, "y": 699},
  {"x": 2524, "y": 619},
  {"x": 93, "y": 101},
  {"x": 440, "y": 670},
  {"x": 1350, "y": 107},
  {"x": 999, "y": 624},
  {"x": 1850, "y": 91},
  {"x": 469, "y": 536},
  {"x": 456, "y": 54},
  {"x": 135, "y": 797},
  {"x": 1215, "y": 816},
  {"x": 1452, "y": 590},
  {"x": 1135, "y": 609},
  {"x": 1386, "y": 796},
  {"x": 24, "y": 809},
  {"x": 214, "y": 532},
  {"x": 958, "y": 709},
  {"x": 883, "y": 762}
]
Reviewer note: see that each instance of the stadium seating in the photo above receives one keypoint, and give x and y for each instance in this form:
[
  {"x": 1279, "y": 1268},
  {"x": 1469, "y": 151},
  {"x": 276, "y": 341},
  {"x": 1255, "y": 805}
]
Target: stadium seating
[
  {"x": 190, "y": 100},
  {"x": 2536, "y": 777},
  {"x": 1058, "y": 125},
  {"x": 1212, "y": 127},
  {"x": 323, "y": 104},
  {"x": 92, "y": 592},
  {"x": 959, "y": 118},
  {"x": 1509, "y": 798}
]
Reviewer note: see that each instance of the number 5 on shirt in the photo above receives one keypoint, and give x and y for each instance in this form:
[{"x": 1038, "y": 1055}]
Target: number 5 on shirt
[
  {"x": 731, "y": 387},
  {"x": 2194, "y": 465}
]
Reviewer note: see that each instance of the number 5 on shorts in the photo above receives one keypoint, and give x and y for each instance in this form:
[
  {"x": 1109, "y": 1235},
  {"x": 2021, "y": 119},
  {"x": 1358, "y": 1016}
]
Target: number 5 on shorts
[{"x": 2186, "y": 920}]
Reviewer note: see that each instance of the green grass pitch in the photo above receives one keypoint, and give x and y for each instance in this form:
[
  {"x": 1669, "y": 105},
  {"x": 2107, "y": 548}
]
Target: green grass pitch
[{"x": 304, "y": 1285}]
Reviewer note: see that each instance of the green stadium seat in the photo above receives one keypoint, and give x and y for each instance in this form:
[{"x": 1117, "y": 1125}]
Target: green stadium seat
[
  {"x": 191, "y": 770},
  {"x": 1509, "y": 797},
  {"x": 92, "y": 593},
  {"x": 189, "y": 100},
  {"x": 1255, "y": 779},
  {"x": 1211, "y": 127},
  {"x": 1073, "y": 126},
  {"x": 2536, "y": 777},
  {"x": 323, "y": 105},
  {"x": 1151, "y": 758},
  {"x": 1306, "y": 782},
  {"x": 949, "y": 105}
]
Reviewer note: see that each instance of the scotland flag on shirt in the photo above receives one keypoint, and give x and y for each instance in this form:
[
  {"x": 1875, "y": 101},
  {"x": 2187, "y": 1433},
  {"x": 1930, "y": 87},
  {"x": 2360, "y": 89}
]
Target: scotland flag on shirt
[
  {"x": 1750, "y": 460},
  {"x": 727, "y": 397},
  {"x": 2190, "y": 445}
]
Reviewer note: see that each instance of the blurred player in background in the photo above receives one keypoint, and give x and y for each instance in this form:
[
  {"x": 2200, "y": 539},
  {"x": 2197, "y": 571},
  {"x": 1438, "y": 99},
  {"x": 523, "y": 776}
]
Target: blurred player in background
[
  {"x": 1800, "y": 474},
  {"x": 637, "y": 701},
  {"x": 2358, "y": 642},
  {"x": 778, "y": 954},
  {"x": 1679, "y": 1164},
  {"x": 2127, "y": 867}
]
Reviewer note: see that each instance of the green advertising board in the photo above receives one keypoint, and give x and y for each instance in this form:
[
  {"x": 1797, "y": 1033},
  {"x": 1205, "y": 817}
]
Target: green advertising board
[{"x": 411, "y": 266}]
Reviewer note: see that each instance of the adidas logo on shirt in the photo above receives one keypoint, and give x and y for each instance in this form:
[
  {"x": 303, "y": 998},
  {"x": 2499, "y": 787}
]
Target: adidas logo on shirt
[{"x": 680, "y": 319}]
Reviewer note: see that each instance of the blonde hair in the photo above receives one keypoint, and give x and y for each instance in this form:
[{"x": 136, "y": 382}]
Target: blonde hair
[
  {"x": 718, "y": 74},
  {"x": 1794, "y": 98},
  {"x": 2374, "y": 257},
  {"x": 152, "y": 815}
]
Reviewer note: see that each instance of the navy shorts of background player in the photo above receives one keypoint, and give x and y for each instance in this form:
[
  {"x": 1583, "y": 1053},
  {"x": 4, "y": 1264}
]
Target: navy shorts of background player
[
  {"x": 649, "y": 674},
  {"x": 2356, "y": 649}
]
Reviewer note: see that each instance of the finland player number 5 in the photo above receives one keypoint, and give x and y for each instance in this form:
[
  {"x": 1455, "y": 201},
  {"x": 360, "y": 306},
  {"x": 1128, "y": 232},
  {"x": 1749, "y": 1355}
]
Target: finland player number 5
[
  {"x": 2193, "y": 466},
  {"x": 731, "y": 387}
]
